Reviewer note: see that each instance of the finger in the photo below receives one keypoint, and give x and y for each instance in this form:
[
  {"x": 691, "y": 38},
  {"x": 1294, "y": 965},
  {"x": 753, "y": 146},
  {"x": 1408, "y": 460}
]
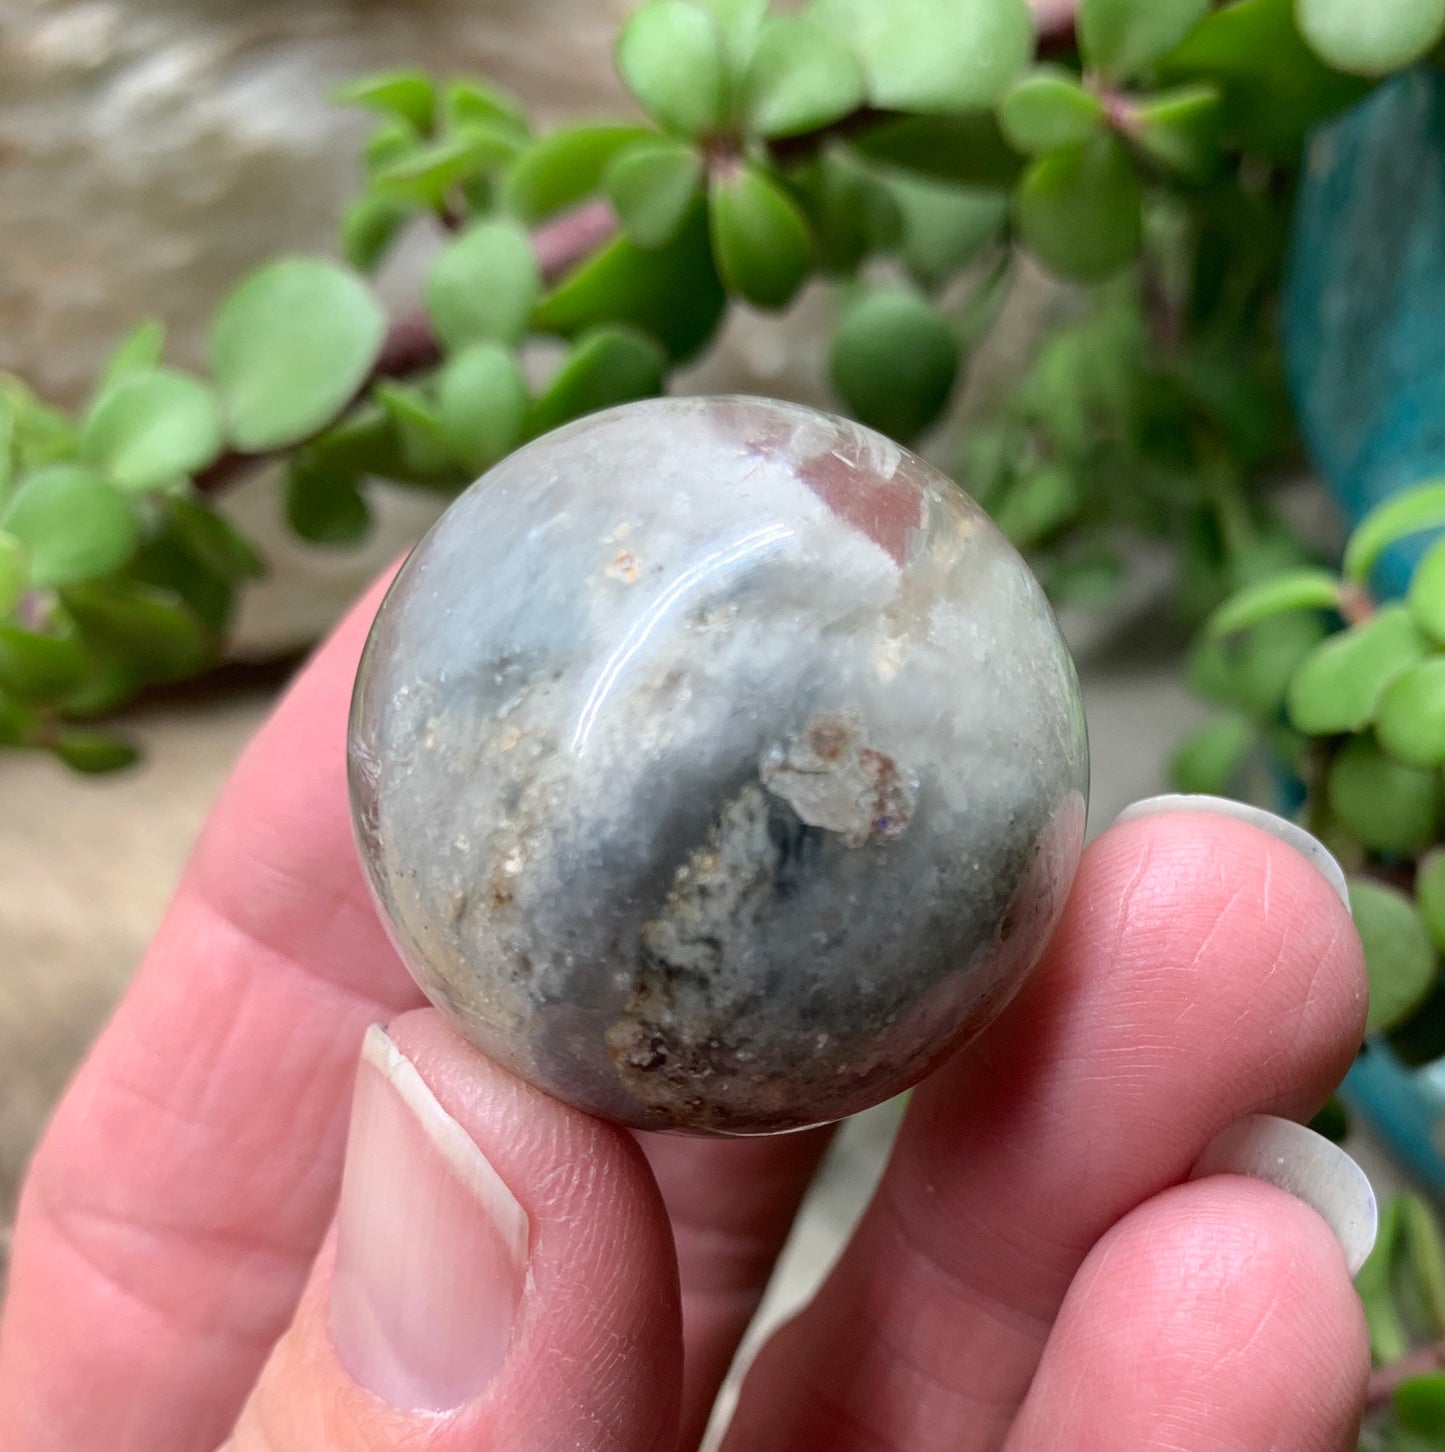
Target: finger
[
  {"x": 732, "y": 1204},
  {"x": 1217, "y": 1315},
  {"x": 1203, "y": 970},
  {"x": 502, "y": 1275},
  {"x": 180, "y": 1193}
]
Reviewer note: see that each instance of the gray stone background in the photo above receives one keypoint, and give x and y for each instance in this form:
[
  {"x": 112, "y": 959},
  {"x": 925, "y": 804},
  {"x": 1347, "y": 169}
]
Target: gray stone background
[{"x": 150, "y": 152}]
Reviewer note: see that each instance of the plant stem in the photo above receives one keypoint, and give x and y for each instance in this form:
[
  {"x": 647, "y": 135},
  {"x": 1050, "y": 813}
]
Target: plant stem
[
  {"x": 1356, "y": 604},
  {"x": 1054, "y": 19},
  {"x": 1384, "y": 1379}
]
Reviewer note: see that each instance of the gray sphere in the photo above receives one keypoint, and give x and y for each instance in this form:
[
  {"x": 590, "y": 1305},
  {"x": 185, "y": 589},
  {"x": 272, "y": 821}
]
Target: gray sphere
[{"x": 718, "y": 766}]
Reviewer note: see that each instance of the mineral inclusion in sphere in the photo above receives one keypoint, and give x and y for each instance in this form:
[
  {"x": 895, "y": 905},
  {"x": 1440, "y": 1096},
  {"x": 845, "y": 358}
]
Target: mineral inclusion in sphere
[{"x": 718, "y": 766}]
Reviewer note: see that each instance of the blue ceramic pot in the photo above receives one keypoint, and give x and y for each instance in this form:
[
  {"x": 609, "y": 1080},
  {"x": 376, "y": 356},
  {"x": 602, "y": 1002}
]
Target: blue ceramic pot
[{"x": 1364, "y": 334}]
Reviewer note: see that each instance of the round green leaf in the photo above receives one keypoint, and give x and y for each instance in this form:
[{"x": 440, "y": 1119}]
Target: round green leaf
[
  {"x": 945, "y": 227},
  {"x": 140, "y": 348},
  {"x": 1276, "y": 595},
  {"x": 670, "y": 55},
  {"x": 38, "y": 668},
  {"x": 409, "y": 95},
  {"x": 1375, "y": 1282},
  {"x": 1427, "y": 593},
  {"x": 424, "y": 176},
  {"x": 609, "y": 366},
  {"x": 1080, "y": 211},
  {"x": 369, "y": 227},
  {"x": 1181, "y": 130},
  {"x": 83, "y": 749},
  {"x": 760, "y": 238},
  {"x": 1250, "y": 671},
  {"x": 109, "y": 684},
  {"x": 14, "y": 571},
  {"x": 1208, "y": 761},
  {"x": 739, "y": 22},
  {"x": 1399, "y": 956},
  {"x": 1048, "y": 109},
  {"x": 150, "y": 428},
  {"x": 425, "y": 457},
  {"x": 671, "y": 292},
  {"x": 894, "y": 362},
  {"x": 482, "y": 402},
  {"x": 1410, "y": 718},
  {"x": 1121, "y": 38},
  {"x": 390, "y": 143},
  {"x": 1388, "y": 806},
  {"x": 560, "y": 170},
  {"x": 1371, "y": 37},
  {"x": 1339, "y": 684},
  {"x": 852, "y": 212},
  {"x": 1425, "y": 1263},
  {"x": 150, "y": 630},
  {"x": 483, "y": 286},
  {"x": 473, "y": 103},
  {"x": 1037, "y": 503},
  {"x": 1275, "y": 88},
  {"x": 291, "y": 347},
  {"x": 969, "y": 150},
  {"x": 1412, "y": 512},
  {"x": 1092, "y": 581},
  {"x": 1420, "y": 1405},
  {"x": 652, "y": 187},
  {"x": 1430, "y": 894},
  {"x": 801, "y": 77},
  {"x": 936, "y": 56},
  {"x": 326, "y": 509},
  {"x": 75, "y": 525},
  {"x": 18, "y": 724},
  {"x": 213, "y": 542}
]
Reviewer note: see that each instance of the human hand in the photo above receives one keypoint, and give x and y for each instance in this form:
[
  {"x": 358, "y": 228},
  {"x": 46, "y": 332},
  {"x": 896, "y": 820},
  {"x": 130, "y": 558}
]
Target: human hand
[{"x": 1035, "y": 1272}]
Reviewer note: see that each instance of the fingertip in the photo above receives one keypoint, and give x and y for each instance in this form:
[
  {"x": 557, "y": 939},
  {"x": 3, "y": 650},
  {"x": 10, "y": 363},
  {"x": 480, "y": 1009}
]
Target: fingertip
[
  {"x": 1239, "y": 877},
  {"x": 1219, "y": 1313},
  {"x": 1294, "y": 836}
]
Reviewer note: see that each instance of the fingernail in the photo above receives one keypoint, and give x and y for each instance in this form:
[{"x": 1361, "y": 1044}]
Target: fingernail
[
  {"x": 1309, "y": 1167},
  {"x": 431, "y": 1249},
  {"x": 1290, "y": 833}
]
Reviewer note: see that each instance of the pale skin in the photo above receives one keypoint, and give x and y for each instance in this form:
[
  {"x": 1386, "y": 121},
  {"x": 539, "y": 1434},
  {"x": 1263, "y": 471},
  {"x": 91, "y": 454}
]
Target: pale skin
[{"x": 1034, "y": 1273}]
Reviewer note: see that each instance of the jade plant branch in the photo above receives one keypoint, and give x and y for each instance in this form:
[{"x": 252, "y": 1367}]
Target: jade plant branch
[{"x": 411, "y": 347}]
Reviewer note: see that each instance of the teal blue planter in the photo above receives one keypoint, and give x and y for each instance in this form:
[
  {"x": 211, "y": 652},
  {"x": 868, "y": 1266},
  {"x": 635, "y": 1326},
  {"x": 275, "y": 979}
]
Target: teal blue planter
[{"x": 1364, "y": 334}]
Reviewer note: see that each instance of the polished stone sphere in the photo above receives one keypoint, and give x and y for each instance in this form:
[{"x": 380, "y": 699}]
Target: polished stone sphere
[{"x": 718, "y": 766}]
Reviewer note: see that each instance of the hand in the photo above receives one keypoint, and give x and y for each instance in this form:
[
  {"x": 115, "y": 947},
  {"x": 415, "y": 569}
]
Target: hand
[{"x": 1035, "y": 1272}]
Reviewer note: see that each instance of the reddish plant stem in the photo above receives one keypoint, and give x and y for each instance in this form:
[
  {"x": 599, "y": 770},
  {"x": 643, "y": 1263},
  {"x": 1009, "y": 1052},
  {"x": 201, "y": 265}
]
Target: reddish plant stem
[
  {"x": 1356, "y": 605},
  {"x": 1054, "y": 19},
  {"x": 1385, "y": 1379},
  {"x": 410, "y": 345}
]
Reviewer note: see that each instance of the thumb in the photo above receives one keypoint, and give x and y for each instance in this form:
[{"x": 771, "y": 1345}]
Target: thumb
[{"x": 501, "y": 1275}]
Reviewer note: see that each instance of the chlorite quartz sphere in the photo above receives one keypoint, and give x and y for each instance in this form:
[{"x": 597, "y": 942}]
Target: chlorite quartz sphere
[{"x": 717, "y": 765}]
